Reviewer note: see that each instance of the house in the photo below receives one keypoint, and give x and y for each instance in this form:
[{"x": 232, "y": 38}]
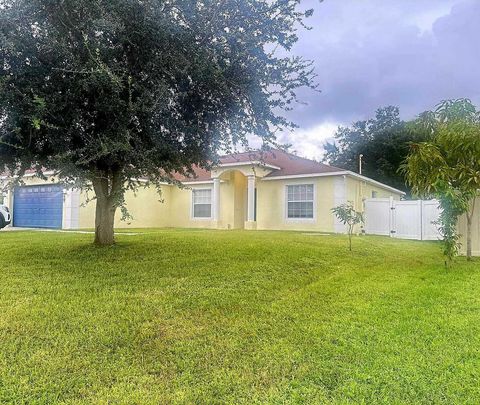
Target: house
[{"x": 273, "y": 190}]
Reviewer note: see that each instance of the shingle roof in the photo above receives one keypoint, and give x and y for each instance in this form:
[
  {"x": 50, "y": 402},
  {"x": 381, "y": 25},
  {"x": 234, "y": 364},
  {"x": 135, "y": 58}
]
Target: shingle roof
[{"x": 288, "y": 164}]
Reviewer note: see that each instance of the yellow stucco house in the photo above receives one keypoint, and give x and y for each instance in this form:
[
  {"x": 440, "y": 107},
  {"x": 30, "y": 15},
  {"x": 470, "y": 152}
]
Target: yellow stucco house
[{"x": 275, "y": 190}]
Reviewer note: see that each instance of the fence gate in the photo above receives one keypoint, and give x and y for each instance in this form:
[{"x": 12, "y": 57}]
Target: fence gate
[
  {"x": 407, "y": 223},
  {"x": 378, "y": 215},
  {"x": 430, "y": 213},
  {"x": 402, "y": 219}
]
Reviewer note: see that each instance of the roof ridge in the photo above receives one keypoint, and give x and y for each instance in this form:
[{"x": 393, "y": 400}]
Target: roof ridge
[
  {"x": 311, "y": 160},
  {"x": 245, "y": 153},
  {"x": 278, "y": 150}
]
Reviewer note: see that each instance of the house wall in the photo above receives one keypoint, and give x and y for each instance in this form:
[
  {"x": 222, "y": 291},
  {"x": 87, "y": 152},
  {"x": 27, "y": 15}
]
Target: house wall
[
  {"x": 462, "y": 229},
  {"x": 176, "y": 210},
  {"x": 271, "y": 205},
  {"x": 146, "y": 206},
  {"x": 181, "y": 208},
  {"x": 173, "y": 208},
  {"x": 240, "y": 198},
  {"x": 181, "y": 205},
  {"x": 330, "y": 191},
  {"x": 181, "y": 211},
  {"x": 358, "y": 190}
]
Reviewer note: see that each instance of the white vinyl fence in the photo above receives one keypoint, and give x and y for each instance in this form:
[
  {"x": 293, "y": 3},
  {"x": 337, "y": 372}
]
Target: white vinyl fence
[{"x": 402, "y": 219}]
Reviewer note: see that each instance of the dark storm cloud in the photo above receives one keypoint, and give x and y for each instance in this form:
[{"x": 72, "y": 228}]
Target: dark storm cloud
[{"x": 371, "y": 53}]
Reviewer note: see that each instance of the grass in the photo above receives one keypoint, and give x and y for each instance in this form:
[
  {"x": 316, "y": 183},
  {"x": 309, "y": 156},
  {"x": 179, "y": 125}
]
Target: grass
[{"x": 176, "y": 316}]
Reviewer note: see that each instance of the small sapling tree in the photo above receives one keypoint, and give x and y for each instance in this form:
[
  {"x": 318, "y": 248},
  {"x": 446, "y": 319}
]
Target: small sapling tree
[{"x": 347, "y": 215}]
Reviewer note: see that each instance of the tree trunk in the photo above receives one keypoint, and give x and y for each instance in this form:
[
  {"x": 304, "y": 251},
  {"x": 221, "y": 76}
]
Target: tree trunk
[
  {"x": 350, "y": 231},
  {"x": 104, "y": 220},
  {"x": 109, "y": 193},
  {"x": 469, "y": 231}
]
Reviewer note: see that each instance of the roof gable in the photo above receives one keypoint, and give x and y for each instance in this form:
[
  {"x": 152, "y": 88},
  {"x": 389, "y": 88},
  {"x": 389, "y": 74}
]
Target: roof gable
[{"x": 286, "y": 164}]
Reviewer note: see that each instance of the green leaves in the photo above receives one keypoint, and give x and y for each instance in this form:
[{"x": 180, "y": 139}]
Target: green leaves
[
  {"x": 143, "y": 86},
  {"x": 447, "y": 166},
  {"x": 382, "y": 140},
  {"x": 347, "y": 215},
  {"x": 459, "y": 110},
  {"x": 142, "y": 89}
]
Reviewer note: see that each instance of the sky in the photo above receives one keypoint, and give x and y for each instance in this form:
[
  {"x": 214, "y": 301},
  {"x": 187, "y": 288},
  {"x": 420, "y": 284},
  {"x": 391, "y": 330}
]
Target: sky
[{"x": 374, "y": 53}]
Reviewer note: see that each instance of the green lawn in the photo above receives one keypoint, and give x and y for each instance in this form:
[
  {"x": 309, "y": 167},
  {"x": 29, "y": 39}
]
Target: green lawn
[{"x": 235, "y": 317}]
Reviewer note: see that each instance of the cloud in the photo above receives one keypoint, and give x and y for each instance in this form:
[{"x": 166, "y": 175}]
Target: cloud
[
  {"x": 375, "y": 53},
  {"x": 309, "y": 142}
]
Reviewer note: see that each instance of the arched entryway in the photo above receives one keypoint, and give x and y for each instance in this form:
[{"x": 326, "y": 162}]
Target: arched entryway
[{"x": 233, "y": 199}]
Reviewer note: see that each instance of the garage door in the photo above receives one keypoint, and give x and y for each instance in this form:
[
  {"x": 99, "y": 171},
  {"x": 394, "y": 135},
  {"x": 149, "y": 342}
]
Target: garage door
[{"x": 38, "y": 206}]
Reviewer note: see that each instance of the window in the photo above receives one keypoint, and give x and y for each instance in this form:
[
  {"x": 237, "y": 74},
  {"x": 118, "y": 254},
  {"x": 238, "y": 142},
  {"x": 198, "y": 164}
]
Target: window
[
  {"x": 300, "y": 201},
  {"x": 374, "y": 194},
  {"x": 202, "y": 203}
]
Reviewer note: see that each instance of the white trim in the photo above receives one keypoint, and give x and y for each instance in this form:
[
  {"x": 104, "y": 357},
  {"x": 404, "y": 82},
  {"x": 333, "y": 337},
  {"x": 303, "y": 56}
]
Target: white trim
[
  {"x": 48, "y": 173},
  {"x": 288, "y": 220},
  {"x": 192, "y": 216},
  {"x": 201, "y": 182},
  {"x": 216, "y": 199},
  {"x": 342, "y": 173},
  {"x": 302, "y": 176},
  {"x": 249, "y": 163},
  {"x": 377, "y": 183},
  {"x": 251, "y": 198},
  {"x": 162, "y": 183},
  {"x": 197, "y": 182},
  {"x": 71, "y": 208}
]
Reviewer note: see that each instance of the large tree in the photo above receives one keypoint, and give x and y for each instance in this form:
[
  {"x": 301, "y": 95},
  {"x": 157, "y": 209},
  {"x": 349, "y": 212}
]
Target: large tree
[
  {"x": 105, "y": 92},
  {"x": 447, "y": 165},
  {"x": 383, "y": 141}
]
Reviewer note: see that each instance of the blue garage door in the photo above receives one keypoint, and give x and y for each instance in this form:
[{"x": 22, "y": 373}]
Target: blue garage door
[{"x": 38, "y": 206}]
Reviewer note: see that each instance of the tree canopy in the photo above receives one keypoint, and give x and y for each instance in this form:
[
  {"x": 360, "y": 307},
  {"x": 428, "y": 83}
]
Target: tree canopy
[
  {"x": 447, "y": 164},
  {"x": 383, "y": 141},
  {"x": 105, "y": 92}
]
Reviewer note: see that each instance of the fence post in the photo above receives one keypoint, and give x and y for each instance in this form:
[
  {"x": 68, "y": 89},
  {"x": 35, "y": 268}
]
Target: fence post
[
  {"x": 421, "y": 219},
  {"x": 392, "y": 217}
]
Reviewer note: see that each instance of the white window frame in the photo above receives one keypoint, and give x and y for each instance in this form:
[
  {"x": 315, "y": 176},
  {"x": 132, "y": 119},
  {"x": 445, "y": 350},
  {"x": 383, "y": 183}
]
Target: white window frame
[
  {"x": 302, "y": 220},
  {"x": 192, "y": 204}
]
